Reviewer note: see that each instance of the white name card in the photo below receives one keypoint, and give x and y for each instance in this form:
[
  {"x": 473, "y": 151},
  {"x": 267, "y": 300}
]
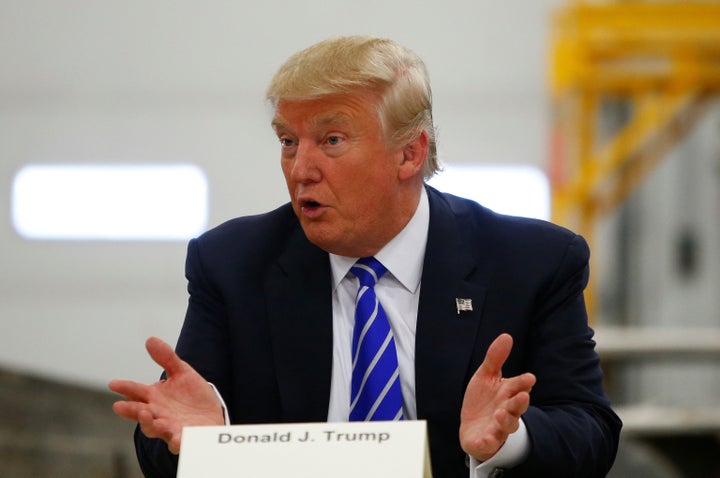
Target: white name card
[{"x": 307, "y": 450}]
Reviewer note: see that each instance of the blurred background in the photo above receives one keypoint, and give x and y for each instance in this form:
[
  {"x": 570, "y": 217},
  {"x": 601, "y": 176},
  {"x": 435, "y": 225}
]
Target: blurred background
[{"x": 117, "y": 117}]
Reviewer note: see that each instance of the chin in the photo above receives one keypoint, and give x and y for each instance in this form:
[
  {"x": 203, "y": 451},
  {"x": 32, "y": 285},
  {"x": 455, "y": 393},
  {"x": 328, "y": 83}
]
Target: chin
[{"x": 320, "y": 238}]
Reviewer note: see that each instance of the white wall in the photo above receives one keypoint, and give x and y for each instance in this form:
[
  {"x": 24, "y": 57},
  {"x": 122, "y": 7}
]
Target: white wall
[{"x": 162, "y": 81}]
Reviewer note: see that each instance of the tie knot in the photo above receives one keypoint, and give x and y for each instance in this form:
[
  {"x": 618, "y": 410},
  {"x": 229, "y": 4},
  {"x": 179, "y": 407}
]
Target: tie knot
[{"x": 368, "y": 270}]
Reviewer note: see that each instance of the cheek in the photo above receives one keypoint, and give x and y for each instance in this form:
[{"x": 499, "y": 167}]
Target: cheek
[
  {"x": 369, "y": 199},
  {"x": 289, "y": 185},
  {"x": 286, "y": 167}
]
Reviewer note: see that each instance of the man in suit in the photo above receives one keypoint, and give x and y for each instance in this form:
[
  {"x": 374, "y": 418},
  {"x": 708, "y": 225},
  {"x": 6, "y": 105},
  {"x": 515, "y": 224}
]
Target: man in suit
[{"x": 486, "y": 312}]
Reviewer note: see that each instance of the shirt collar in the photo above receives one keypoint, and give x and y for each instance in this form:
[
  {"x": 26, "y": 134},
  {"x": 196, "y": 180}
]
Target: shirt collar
[{"x": 403, "y": 256}]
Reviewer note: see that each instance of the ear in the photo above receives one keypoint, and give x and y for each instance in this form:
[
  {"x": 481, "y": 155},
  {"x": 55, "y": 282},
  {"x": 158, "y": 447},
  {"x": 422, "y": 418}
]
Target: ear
[{"x": 414, "y": 154}]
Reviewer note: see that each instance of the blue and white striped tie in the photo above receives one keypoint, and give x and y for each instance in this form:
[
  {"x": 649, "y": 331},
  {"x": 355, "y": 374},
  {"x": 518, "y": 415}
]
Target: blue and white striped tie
[{"x": 375, "y": 392}]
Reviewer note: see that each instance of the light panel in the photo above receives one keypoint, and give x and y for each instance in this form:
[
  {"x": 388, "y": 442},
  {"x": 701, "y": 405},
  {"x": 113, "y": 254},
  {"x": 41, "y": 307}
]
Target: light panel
[{"x": 110, "y": 202}]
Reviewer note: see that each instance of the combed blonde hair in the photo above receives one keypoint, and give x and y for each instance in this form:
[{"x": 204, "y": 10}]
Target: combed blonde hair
[{"x": 345, "y": 64}]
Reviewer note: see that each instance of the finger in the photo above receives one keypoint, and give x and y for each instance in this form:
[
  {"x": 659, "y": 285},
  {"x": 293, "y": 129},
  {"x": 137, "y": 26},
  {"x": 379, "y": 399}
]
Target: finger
[
  {"x": 496, "y": 355},
  {"x": 507, "y": 418},
  {"x": 159, "y": 428},
  {"x": 507, "y": 423},
  {"x": 147, "y": 424},
  {"x": 521, "y": 383},
  {"x": 129, "y": 410},
  {"x": 165, "y": 356},
  {"x": 518, "y": 404},
  {"x": 133, "y": 391},
  {"x": 174, "y": 444}
]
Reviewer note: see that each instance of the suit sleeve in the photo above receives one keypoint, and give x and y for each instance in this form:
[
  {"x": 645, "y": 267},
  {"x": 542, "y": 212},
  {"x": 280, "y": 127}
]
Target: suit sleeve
[
  {"x": 203, "y": 344},
  {"x": 573, "y": 431}
]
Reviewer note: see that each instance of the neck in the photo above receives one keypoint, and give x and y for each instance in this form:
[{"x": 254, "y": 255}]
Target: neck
[{"x": 402, "y": 214}]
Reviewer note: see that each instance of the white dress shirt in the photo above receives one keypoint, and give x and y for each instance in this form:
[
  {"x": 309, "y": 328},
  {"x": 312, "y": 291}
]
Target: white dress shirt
[{"x": 398, "y": 290}]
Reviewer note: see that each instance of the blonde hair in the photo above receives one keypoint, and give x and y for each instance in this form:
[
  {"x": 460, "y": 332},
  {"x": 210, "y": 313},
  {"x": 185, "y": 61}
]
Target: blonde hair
[{"x": 343, "y": 65}]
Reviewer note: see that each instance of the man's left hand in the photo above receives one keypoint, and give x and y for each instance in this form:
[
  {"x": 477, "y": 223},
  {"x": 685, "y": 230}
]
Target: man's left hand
[{"x": 492, "y": 405}]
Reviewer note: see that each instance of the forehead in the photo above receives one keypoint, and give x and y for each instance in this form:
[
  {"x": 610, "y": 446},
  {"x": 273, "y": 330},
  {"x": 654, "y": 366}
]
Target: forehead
[{"x": 352, "y": 110}]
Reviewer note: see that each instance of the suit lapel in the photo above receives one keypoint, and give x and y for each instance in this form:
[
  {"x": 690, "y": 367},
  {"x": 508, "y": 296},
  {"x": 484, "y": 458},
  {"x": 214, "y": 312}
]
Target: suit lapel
[
  {"x": 298, "y": 289},
  {"x": 445, "y": 337}
]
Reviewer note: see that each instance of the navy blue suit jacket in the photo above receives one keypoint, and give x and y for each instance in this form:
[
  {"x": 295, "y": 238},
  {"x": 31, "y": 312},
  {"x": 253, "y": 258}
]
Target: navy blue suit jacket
[{"x": 259, "y": 326}]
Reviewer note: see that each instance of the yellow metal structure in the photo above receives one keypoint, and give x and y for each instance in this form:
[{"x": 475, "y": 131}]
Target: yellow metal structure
[{"x": 661, "y": 60}]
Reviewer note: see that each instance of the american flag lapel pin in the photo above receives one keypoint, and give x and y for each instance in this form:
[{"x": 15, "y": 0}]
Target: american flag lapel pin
[{"x": 463, "y": 305}]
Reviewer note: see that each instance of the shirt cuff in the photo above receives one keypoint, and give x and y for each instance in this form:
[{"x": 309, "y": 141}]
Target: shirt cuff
[
  {"x": 512, "y": 453},
  {"x": 226, "y": 415}
]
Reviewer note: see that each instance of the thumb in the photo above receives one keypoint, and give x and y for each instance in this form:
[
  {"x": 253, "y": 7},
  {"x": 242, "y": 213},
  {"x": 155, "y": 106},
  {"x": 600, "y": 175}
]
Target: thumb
[
  {"x": 164, "y": 355},
  {"x": 496, "y": 355}
]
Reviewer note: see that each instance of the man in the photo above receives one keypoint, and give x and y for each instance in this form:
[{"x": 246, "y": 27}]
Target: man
[{"x": 488, "y": 328}]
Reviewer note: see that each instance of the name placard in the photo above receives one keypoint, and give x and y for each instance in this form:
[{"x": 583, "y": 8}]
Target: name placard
[{"x": 307, "y": 450}]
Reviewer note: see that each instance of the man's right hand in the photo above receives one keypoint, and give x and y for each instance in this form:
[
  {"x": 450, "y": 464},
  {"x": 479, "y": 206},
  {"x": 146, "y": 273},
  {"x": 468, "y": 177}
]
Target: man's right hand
[{"x": 163, "y": 408}]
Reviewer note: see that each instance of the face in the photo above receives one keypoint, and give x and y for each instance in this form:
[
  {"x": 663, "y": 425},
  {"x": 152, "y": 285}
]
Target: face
[{"x": 349, "y": 190}]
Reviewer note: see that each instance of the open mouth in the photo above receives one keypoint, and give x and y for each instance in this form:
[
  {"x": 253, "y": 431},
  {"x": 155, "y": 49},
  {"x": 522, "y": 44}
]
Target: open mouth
[
  {"x": 309, "y": 204},
  {"x": 311, "y": 209}
]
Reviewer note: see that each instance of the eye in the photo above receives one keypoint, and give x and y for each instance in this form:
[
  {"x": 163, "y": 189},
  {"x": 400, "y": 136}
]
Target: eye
[
  {"x": 334, "y": 140},
  {"x": 286, "y": 142}
]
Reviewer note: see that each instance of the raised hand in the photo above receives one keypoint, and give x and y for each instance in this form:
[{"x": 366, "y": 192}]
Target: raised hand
[
  {"x": 163, "y": 408},
  {"x": 492, "y": 405}
]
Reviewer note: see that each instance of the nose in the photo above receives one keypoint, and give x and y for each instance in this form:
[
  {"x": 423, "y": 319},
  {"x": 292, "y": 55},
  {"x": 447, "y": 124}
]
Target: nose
[{"x": 306, "y": 167}]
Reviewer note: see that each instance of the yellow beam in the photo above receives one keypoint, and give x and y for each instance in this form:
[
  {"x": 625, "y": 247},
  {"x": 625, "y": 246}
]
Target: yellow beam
[
  {"x": 653, "y": 112},
  {"x": 614, "y": 46},
  {"x": 639, "y": 164}
]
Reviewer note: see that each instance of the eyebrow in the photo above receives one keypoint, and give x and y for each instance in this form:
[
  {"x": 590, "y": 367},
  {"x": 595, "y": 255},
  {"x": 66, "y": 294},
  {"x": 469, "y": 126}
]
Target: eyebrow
[
  {"x": 331, "y": 119},
  {"x": 322, "y": 120},
  {"x": 278, "y": 124}
]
